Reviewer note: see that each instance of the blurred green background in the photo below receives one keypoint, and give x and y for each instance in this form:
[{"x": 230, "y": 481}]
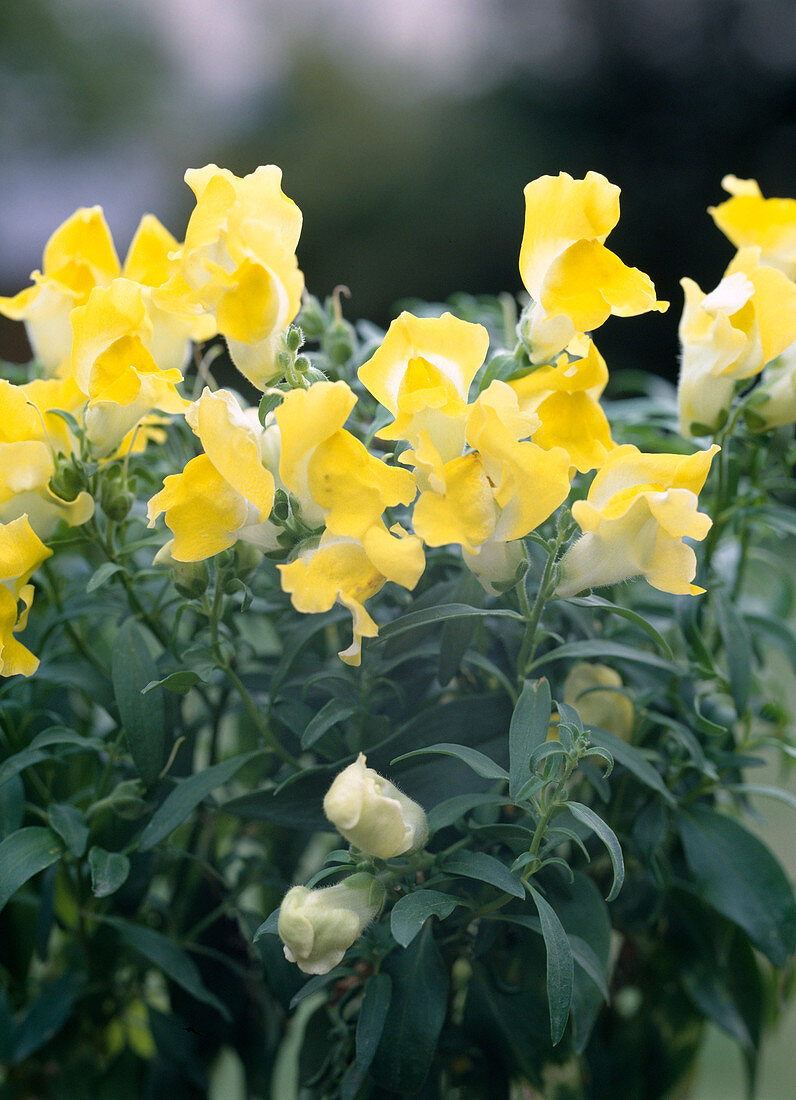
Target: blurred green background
[{"x": 406, "y": 130}]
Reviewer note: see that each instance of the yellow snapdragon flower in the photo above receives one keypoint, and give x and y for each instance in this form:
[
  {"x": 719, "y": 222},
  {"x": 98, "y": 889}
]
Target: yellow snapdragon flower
[
  {"x": 336, "y": 480},
  {"x": 639, "y": 509},
  {"x": 575, "y": 282},
  {"x": 422, "y": 373},
  {"x": 589, "y": 689},
  {"x": 768, "y": 224},
  {"x": 731, "y": 334},
  {"x": 226, "y": 493},
  {"x": 565, "y": 397},
  {"x": 114, "y": 366},
  {"x": 21, "y": 553},
  {"x": 79, "y": 256},
  {"x": 372, "y": 814},
  {"x": 238, "y": 262},
  {"x": 318, "y": 926},
  {"x": 345, "y": 570}
]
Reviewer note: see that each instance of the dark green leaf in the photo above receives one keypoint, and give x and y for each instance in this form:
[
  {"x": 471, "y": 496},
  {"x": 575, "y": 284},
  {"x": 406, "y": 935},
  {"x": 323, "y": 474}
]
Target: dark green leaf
[
  {"x": 332, "y": 712},
  {"x": 608, "y": 837},
  {"x": 625, "y": 613},
  {"x": 474, "y": 759},
  {"x": 186, "y": 796},
  {"x": 24, "y": 854},
  {"x": 430, "y": 615},
  {"x": 269, "y": 927},
  {"x": 530, "y": 723},
  {"x": 46, "y": 1016},
  {"x": 109, "y": 871},
  {"x": 630, "y": 757},
  {"x": 484, "y": 868},
  {"x": 560, "y": 968},
  {"x": 737, "y": 874},
  {"x": 103, "y": 574},
  {"x": 602, "y": 648},
  {"x": 411, "y": 912},
  {"x": 70, "y": 824},
  {"x": 175, "y": 964},
  {"x": 372, "y": 1014},
  {"x": 143, "y": 716},
  {"x": 179, "y": 682},
  {"x": 316, "y": 983},
  {"x": 735, "y": 639},
  {"x": 415, "y": 1016},
  {"x": 21, "y": 760},
  {"x": 297, "y": 805},
  {"x": 458, "y": 633},
  {"x": 12, "y": 805},
  {"x": 447, "y": 812}
]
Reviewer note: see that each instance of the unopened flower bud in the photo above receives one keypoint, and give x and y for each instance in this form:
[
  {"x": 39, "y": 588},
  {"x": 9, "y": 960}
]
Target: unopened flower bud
[
  {"x": 191, "y": 578},
  {"x": 374, "y": 815},
  {"x": 318, "y": 926},
  {"x": 67, "y": 483},
  {"x": 608, "y": 709},
  {"x": 339, "y": 342}
]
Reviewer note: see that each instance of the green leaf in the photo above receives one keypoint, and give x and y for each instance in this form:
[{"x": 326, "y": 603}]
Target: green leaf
[
  {"x": 415, "y": 1016},
  {"x": 372, "y": 1016},
  {"x": 625, "y": 613},
  {"x": 411, "y": 912},
  {"x": 109, "y": 871},
  {"x": 458, "y": 633},
  {"x": 530, "y": 723},
  {"x": 172, "y": 960},
  {"x": 480, "y": 764},
  {"x": 70, "y": 824},
  {"x": 187, "y": 795},
  {"x": 269, "y": 927},
  {"x": 332, "y": 712},
  {"x": 103, "y": 574},
  {"x": 735, "y": 639},
  {"x": 12, "y": 805},
  {"x": 560, "y": 967},
  {"x": 179, "y": 682},
  {"x": 484, "y": 868},
  {"x": 24, "y": 854},
  {"x": 46, "y": 1016},
  {"x": 737, "y": 875},
  {"x": 630, "y": 757},
  {"x": 765, "y": 792},
  {"x": 143, "y": 716},
  {"x": 17, "y": 763},
  {"x": 447, "y": 812},
  {"x": 442, "y": 613},
  {"x": 602, "y": 648},
  {"x": 608, "y": 837},
  {"x": 297, "y": 805}
]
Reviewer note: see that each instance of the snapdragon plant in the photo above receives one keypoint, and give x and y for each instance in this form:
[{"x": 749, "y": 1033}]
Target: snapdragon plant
[{"x": 384, "y": 723}]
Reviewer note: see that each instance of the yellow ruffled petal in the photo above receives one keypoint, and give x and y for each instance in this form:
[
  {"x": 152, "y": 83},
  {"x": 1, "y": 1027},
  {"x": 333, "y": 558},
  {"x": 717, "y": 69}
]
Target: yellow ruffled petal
[
  {"x": 15, "y": 659},
  {"x": 82, "y": 241},
  {"x": 422, "y": 373},
  {"x": 772, "y": 308},
  {"x": 307, "y": 418},
  {"x": 201, "y": 509},
  {"x": 577, "y": 423},
  {"x": 148, "y": 257},
  {"x": 352, "y": 487},
  {"x": 232, "y": 444},
  {"x": 21, "y": 553},
  {"x": 465, "y": 513},
  {"x": 748, "y": 219}
]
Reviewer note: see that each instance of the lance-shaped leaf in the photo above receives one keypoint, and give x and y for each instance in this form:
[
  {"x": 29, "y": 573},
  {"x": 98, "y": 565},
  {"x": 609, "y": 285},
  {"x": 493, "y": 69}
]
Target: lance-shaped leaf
[
  {"x": 143, "y": 716},
  {"x": 530, "y": 723},
  {"x": 560, "y": 966},
  {"x": 24, "y": 854},
  {"x": 608, "y": 837}
]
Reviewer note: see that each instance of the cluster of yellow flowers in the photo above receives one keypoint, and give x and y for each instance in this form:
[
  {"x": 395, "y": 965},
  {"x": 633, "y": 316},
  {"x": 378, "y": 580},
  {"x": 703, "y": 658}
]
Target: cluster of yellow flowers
[{"x": 112, "y": 342}]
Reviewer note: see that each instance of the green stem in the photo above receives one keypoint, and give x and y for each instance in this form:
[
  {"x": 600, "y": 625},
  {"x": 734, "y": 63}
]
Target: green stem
[
  {"x": 259, "y": 723},
  {"x": 533, "y": 614}
]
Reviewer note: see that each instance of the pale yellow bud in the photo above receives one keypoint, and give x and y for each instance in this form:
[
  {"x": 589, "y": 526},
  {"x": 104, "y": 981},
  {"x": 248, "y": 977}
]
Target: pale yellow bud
[
  {"x": 318, "y": 926},
  {"x": 374, "y": 815},
  {"x": 610, "y": 710}
]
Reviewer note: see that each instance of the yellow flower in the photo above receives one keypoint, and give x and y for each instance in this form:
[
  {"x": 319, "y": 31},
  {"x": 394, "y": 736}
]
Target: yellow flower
[
  {"x": 238, "y": 262},
  {"x": 113, "y": 364},
  {"x": 639, "y": 508},
  {"x": 768, "y": 224},
  {"x": 374, "y": 815},
  {"x": 501, "y": 490},
  {"x": 226, "y": 493},
  {"x": 565, "y": 397},
  {"x": 318, "y": 926},
  {"x": 608, "y": 709},
  {"x": 350, "y": 571},
  {"x": 575, "y": 282},
  {"x": 79, "y": 256},
  {"x": 730, "y": 334},
  {"x": 335, "y": 479},
  {"x": 422, "y": 373},
  {"x": 21, "y": 553}
]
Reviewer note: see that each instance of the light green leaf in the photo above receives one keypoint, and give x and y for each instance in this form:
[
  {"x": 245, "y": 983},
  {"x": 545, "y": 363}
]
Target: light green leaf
[
  {"x": 626, "y": 613},
  {"x": 603, "y": 648},
  {"x": 103, "y": 574},
  {"x": 608, "y": 837},
  {"x": 480, "y": 764},
  {"x": 411, "y": 912},
  {"x": 442, "y": 613}
]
